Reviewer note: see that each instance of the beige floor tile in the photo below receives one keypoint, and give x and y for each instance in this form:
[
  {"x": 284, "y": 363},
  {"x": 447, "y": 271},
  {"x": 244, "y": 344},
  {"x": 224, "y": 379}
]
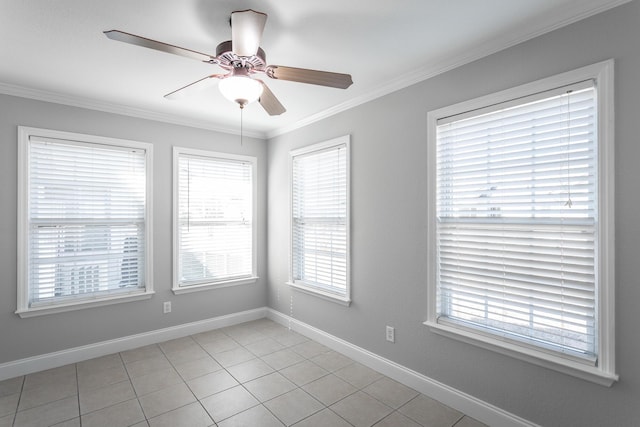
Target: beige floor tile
[
  {"x": 70, "y": 423},
  {"x": 121, "y": 415},
  {"x": 11, "y": 386},
  {"x": 141, "y": 353},
  {"x": 264, "y": 347},
  {"x": 289, "y": 338},
  {"x": 250, "y": 370},
  {"x": 177, "y": 344},
  {"x": 254, "y": 417},
  {"x": 324, "y": 418},
  {"x": 233, "y": 357},
  {"x": 99, "y": 398},
  {"x": 396, "y": 419},
  {"x": 329, "y": 389},
  {"x": 273, "y": 329},
  {"x": 429, "y": 412},
  {"x": 146, "y": 366},
  {"x": 7, "y": 421},
  {"x": 390, "y": 392},
  {"x": 212, "y": 383},
  {"x": 293, "y": 406},
  {"x": 360, "y": 409},
  {"x": 304, "y": 372},
  {"x": 282, "y": 359},
  {"x": 48, "y": 414},
  {"x": 219, "y": 345},
  {"x": 90, "y": 379},
  {"x": 331, "y": 360},
  {"x": 43, "y": 392},
  {"x": 245, "y": 336},
  {"x": 358, "y": 375},
  {"x": 165, "y": 400},
  {"x": 192, "y": 415},
  {"x": 99, "y": 363},
  {"x": 155, "y": 381},
  {"x": 309, "y": 349},
  {"x": 62, "y": 374},
  {"x": 208, "y": 336},
  {"x": 228, "y": 403},
  {"x": 276, "y": 377},
  {"x": 9, "y": 404},
  {"x": 269, "y": 386},
  {"x": 469, "y": 422},
  {"x": 197, "y": 368},
  {"x": 188, "y": 354}
]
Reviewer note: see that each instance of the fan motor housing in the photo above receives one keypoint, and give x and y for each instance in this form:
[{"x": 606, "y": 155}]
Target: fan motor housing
[{"x": 228, "y": 59}]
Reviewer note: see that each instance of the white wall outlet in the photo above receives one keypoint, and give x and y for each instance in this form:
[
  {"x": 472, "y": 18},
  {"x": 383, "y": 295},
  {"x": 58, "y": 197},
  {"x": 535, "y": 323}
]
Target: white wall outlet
[
  {"x": 391, "y": 334},
  {"x": 166, "y": 307}
]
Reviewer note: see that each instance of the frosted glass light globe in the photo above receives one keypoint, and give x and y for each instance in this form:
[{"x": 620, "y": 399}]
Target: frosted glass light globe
[{"x": 241, "y": 89}]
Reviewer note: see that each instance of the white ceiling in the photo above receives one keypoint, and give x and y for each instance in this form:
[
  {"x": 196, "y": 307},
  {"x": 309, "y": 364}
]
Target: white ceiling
[{"x": 56, "y": 50}]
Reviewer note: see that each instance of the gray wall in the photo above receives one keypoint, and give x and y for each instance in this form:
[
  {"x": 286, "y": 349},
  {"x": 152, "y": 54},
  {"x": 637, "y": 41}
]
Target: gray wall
[
  {"x": 20, "y": 338},
  {"x": 389, "y": 228}
]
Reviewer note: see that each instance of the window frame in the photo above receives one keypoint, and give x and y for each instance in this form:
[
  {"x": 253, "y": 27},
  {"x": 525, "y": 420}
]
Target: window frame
[
  {"x": 299, "y": 285},
  {"x": 604, "y": 371},
  {"x": 23, "y": 224},
  {"x": 176, "y": 287}
]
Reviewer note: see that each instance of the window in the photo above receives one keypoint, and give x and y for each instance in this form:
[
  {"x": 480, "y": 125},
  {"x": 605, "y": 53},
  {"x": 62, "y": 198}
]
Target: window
[
  {"x": 214, "y": 229},
  {"x": 84, "y": 221},
  {"x": 320, "y": 219},
  {"x": 521, "y": 222}
]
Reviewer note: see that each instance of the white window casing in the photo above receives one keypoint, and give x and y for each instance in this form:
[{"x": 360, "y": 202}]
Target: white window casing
[
  {"x": 214, "y": 229},
  {"x": 521, "y": 222},
  {"x": 84, "y": 221},
  {"x": 319, "y": 198}
]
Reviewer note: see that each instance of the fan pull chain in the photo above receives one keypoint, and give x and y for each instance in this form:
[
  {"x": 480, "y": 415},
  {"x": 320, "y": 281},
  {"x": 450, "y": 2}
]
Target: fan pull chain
[
  {"x": 290, "y": 312},
  {"x": 241, "y": 124}
]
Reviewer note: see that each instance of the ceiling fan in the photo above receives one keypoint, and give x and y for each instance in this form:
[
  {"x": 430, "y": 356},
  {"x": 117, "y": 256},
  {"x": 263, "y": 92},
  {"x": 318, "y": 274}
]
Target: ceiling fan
[{"x": 241, "y": 58}]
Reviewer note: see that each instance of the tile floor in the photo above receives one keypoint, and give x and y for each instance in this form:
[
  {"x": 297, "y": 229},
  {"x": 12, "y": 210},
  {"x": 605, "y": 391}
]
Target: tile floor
[{"x": 257, "y": 374}]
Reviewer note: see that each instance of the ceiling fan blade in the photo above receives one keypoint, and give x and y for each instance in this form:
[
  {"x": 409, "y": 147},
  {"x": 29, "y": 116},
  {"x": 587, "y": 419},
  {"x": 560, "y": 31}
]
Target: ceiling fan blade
[
  {"x": 269, "y": 101},
  {"x": 194, "y": 87},
  {"x": 246, "y": 31},
  {"x": 314, "y": 77},
  {"x": 121, "y": 36}
]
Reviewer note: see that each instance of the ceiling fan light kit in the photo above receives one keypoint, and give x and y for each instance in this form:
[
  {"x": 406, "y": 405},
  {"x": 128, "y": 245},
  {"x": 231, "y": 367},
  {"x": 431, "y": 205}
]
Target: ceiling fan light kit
[
  {"x": 241, "y": 58},
  {"x": 240, "y": 88}
]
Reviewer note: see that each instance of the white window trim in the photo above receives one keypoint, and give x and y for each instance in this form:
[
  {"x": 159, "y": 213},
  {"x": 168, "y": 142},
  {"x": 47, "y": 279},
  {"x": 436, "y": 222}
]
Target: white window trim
[
  {"x": 604, "y": 373},
  {"x": 23, "y": 309},
  {"x": 299, "y": 285},
  {"x": 176, "y": 288}
]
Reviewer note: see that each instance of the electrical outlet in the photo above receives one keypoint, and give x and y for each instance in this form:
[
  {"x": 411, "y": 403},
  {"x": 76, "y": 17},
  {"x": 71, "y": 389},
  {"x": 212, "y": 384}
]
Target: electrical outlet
[
  {"x": 166, "y": 307},
  {"x": 391, "y": 334}
]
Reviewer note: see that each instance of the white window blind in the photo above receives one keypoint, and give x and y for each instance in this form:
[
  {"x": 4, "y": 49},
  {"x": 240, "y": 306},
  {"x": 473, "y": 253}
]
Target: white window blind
[
  {"x": 320, "y": 218},
  {"x": 215, "y": 241},
  {"x": 86, "y": 220},
  {"x": 517, "y": 218}
]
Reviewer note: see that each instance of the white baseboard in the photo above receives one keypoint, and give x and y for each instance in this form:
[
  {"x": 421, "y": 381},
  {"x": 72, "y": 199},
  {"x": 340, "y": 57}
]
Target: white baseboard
[
  {"x": 78, "y": 354},
  {"x": 482, "y": 411},
  {"x": 469, "y": 405}
]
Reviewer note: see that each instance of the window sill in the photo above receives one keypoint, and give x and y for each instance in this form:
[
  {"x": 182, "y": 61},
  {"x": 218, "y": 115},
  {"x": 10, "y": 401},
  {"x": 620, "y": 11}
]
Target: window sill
[
  {"x": 540, "y": 358},
  {"x": 82, "y": 304},
  {"x": 338, "y": 299},
  {"x": 213, "y": 285}
]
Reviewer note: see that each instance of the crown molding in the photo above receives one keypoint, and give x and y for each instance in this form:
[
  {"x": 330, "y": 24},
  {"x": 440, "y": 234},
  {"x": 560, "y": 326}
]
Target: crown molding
[
  {"x": 569, "y": 14},
  {"x": 107, "y": 107}
]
